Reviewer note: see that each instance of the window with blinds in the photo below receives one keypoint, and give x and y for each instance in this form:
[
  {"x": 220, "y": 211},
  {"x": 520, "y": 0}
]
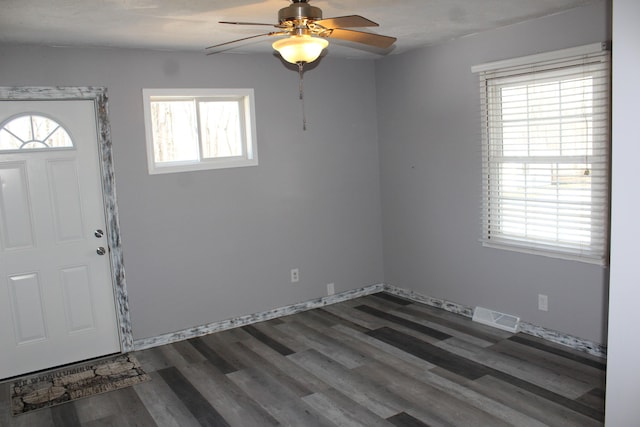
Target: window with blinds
[{"x": 546, "y": 145}]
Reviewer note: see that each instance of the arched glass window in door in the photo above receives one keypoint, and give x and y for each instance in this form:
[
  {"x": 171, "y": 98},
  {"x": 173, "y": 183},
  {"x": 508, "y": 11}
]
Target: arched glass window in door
[{"x": 32, "y": 131}]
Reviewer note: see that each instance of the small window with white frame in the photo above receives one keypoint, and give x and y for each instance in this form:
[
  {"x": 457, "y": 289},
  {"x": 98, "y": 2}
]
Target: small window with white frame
[
  {"x": 199, "y": 129},
  {"x": 546, "y": 149}
]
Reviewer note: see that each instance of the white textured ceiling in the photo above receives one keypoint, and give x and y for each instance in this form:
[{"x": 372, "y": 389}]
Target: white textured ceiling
[{"x": 193, "y": 24}]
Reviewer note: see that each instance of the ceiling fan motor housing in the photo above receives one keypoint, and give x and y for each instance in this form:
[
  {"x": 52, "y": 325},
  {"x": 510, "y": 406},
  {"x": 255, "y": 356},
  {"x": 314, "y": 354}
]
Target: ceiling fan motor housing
[{"x": 299, "y": 10}]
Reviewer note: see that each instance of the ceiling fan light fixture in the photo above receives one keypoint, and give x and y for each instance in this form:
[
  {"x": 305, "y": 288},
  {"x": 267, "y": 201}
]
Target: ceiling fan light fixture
[{"x": 300, "y": 48}]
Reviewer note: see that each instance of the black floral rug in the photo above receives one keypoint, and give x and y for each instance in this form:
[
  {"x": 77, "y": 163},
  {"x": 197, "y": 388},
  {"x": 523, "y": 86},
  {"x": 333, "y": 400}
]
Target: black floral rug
[{"x": 71, "y": 383}]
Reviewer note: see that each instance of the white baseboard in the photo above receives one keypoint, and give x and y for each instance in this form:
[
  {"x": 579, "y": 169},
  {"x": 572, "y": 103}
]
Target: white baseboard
[
  {"x": 235, "y": 322},
  {"x": 576, "y": 343}
]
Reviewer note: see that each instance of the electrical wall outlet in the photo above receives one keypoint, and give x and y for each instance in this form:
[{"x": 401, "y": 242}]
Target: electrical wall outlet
[
  {"x": 331, "y": 288},
  {"x": 295, "y": 275},
  {"x": 543, "y": 302}
]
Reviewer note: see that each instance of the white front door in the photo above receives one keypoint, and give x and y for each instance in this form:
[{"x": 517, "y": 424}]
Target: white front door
[{"x": 56, "y": 293}]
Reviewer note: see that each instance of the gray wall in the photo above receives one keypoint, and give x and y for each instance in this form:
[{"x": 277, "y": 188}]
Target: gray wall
[
  {"x": 205, "y": 246},
  {"x": 623, "y": 375},
  {"x": 429, "y": 130}
]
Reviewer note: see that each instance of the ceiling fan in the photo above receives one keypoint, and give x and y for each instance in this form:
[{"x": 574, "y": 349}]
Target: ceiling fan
[{"x": 307, "y": 32}]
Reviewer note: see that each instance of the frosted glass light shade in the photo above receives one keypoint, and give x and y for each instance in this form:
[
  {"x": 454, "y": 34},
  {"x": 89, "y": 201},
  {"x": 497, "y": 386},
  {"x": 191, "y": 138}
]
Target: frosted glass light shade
[{"x": 296, "y": 49}]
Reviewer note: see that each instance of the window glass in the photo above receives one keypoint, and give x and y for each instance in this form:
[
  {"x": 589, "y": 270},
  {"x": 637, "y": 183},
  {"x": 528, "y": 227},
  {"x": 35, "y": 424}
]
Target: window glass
[
  {"x": 221, "y": 129},
  {"x": 174, "y": 131},
  {"x": 31, "y": 131},
  {"x": 196, "y": 129}
]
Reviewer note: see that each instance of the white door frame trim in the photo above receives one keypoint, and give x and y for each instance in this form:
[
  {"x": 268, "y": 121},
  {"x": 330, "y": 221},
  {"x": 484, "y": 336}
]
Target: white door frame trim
[{"x": 99, "y": 97}]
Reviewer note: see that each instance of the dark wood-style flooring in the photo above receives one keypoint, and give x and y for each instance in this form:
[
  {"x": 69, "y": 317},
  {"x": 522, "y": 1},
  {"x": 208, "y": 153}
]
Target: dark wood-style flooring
[{"x": 372, "y": 361}]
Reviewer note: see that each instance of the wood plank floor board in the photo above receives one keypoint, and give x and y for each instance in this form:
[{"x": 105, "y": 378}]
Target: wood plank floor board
[
  {"x": 436, "y": 355},
  {"x": 95, "y": 408},
  {"x": 315, "y": 318},
  {"x": 132, "y": 411},
  {"x": 372, "y": 361},
  {"x": 201, "y": 409},
  {"x": 551, "y": 396},
  {"x": 404, "y": 322},
  {"x": 5, "y": 404},
  {"x": 346, "y": 311},
  {"x": 387, "y": 320},
  {"x": 551, "y": 361},
  {"x": 271, "y": 331},
  {"x": 325, "y": 344},
  {"x": 338, "y": 320},
  {"x": 153, "y": 359},
  {"x": 235, "y": 406},
  {"x": 310, "y": 319},
  {"x": 594, "y": 399},
  {"x": 65, "y": 416},
  {"x": 547, "y": 411},
  {"x": 453, "y": 332},
  {"x": 561, "y": 389},
  {"x": 444, "y": 385},
  {"x": 343, "y": 411},
  {"x": 221, "y": 347},
  {"x": 163, "y": 405},
  {"x": 280, "y": 402},
  {"x": 472, "y": 369},
  {"x": 362, "y": 390},
  {"x": 109, "y": 421},
  {"x": 284, "y": 378},
  {"x": 384, "y": 348},
  {"x": 232, "y": 335},
  {"x": 451, "y": 377},
  {"x": 542, "y": 377},
  {"x": 392, "y": 298},
  {"x": 208, "y": 353},
  {"x": 274, "y": 358},
  {"x": 189, "y": 352},
  {"x": 454, "y": 408},
  {"x": 583, "y": 358},
  {"x": 172, "y": 356},
  {"x": 405, "y": 420},
  {"x": 382, "y": 303},
  {"x": 41, "y": 418},
  {"x": 271, "y": 342},
  {"x": 372, "y": 351}
]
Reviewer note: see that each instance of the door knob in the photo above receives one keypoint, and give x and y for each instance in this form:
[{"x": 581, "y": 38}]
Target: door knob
[
  {"x": 98, "y": 233},
  {"x": 101, "y": 251}
]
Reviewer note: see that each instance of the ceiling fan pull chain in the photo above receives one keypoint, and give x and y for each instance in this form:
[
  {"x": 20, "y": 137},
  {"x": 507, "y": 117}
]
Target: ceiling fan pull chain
[{"x": 301, "y": 89}]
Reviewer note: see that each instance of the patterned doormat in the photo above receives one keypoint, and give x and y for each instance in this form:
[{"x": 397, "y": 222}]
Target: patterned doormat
[{"x": 71, "y": 383}]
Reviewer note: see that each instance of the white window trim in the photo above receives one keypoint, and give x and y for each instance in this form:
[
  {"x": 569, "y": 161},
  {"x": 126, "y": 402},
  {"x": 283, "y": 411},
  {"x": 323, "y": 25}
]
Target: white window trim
[
  {"x": 248, "y": 124},
  {"x": 543, "y": 60}
]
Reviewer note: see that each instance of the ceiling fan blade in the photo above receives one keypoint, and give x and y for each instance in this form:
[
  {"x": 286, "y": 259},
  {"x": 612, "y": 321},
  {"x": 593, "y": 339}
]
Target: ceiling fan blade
[
  {"x": 242, "y": 39},
  {"x": 375, "y": 40},
  {"x": 249, "y": 23},
  {"x": 351, "y": 21}
]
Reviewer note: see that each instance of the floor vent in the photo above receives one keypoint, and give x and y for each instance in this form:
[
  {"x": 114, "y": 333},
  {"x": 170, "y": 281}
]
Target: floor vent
[{"x": 496, "y": 319}]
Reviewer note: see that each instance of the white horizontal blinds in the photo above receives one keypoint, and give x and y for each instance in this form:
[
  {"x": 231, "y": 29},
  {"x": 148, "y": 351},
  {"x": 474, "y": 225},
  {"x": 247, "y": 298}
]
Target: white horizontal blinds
[{"x": 546, "y": 156}]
